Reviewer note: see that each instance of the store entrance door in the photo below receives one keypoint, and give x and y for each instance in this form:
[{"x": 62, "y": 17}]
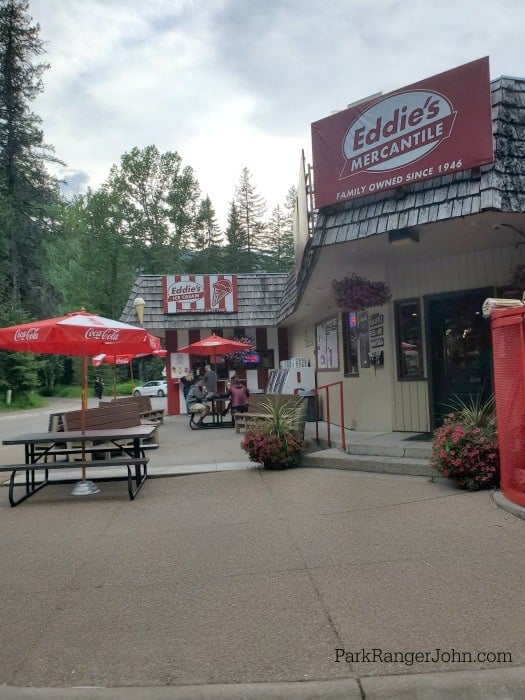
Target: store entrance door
[{"x": 459, "y": 350}]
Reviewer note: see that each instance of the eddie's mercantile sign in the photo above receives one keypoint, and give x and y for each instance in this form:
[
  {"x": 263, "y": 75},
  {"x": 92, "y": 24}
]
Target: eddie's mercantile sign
[{"x": 435, "y": 127}]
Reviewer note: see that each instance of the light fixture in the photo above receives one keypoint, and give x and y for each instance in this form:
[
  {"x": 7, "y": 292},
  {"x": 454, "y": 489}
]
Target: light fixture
[
  {"x": 139, "y": 305},
  {"x": 403, "y": 235}
]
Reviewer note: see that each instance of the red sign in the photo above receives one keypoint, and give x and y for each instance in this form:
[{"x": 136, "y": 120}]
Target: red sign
[
  {"x": 199, "y": 293},
  {"x": 432, "y": 128}
]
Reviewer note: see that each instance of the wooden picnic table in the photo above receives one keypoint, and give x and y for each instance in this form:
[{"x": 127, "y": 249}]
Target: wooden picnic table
[{"x": 128, "y": 442}]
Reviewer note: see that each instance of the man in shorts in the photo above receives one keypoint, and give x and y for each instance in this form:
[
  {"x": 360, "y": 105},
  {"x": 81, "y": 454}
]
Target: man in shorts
[{"x": 196, "y": 401}]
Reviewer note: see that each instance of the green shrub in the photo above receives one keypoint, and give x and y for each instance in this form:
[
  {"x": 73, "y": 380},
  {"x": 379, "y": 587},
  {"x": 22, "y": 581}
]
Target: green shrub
[{"x": 465, "y": 447}]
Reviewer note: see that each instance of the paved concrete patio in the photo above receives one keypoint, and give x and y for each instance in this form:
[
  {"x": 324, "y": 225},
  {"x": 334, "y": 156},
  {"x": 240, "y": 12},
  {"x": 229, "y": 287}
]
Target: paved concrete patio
[{"x": 241, "y": 576}]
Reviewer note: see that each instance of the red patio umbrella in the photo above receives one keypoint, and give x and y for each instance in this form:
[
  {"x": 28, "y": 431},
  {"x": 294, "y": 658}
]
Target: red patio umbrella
[
  {"x": 79, "y": 333},
  {"x": 214, "y": 345},
  {"x": 114, "y": 360}
]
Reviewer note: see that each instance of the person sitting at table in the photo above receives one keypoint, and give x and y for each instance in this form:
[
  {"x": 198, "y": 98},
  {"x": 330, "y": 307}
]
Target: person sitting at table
[
  {"x": 196, "y": 401},
  {"x": 239, "y": 395}
]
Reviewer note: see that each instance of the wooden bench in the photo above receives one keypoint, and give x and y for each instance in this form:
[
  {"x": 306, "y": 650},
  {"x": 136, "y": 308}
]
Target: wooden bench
[
  {"x": 258, "y": 410},
  {"x": 144, "y": 405},
  {"x": 32, "y": 485},
  {"x": 110, "y": 415}
]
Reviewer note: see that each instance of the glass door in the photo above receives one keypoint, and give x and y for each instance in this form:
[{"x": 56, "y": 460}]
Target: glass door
[{"x": 459, "y": 350}]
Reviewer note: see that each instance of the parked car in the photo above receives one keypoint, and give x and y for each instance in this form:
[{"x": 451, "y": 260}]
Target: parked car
[{"x": 155, "y": 388}]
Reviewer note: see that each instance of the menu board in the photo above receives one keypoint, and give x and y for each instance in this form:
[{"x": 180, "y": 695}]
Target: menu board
[
  {"x": 327, "y": 345},
  {"x": 180, "y": 364}
]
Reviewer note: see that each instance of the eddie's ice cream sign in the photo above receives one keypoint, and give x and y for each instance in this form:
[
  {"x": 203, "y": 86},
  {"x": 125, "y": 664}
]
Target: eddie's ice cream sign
[
  {"x": 199, "y": 293},
  {"x": 435, "y": 127}
]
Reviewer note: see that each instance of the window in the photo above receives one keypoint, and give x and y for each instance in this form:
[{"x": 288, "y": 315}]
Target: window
[
  {"x": 350, "y": 343},
  {"x": 408, "y": 339}
]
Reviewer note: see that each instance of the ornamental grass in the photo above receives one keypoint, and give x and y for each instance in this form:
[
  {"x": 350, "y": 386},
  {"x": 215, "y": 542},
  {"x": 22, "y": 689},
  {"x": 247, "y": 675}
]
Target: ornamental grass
[{"x": 465, "y": 447}]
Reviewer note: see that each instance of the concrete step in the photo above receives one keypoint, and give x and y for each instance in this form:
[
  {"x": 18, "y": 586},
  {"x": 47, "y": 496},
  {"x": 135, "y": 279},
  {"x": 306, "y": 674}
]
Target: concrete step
[{"x": 383, "y": 464}]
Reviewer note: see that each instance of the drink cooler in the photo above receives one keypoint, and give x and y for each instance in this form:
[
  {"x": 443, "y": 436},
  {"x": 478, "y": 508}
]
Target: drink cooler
[{"x": 508, "y": 341}]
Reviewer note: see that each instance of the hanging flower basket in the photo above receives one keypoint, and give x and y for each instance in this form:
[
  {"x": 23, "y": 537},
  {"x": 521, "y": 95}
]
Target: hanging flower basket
[{"x": 355, "y": 293}]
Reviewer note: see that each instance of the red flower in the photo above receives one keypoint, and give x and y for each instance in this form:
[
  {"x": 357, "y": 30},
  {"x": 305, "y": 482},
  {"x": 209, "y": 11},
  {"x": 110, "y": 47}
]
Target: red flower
[{"x": 467, "y": 454}]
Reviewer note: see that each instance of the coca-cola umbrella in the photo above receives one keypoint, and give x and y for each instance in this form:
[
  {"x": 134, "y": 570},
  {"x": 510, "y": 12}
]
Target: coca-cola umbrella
[
  {"x": 214, "y": 345},
  {"x": 115, "y": 360},
  {"x": 79, "y": 333}
]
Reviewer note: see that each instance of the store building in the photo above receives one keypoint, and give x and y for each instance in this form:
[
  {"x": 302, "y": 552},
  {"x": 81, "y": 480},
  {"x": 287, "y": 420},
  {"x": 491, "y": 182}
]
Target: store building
[{"x": 443, "y": 232}]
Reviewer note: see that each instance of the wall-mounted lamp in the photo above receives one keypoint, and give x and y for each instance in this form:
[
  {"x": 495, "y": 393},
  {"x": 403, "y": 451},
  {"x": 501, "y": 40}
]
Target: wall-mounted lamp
[
  {"x": 514, "y": 228},
  {"x": 139, "y": 305},
  {"x": 403, "y": 235}
]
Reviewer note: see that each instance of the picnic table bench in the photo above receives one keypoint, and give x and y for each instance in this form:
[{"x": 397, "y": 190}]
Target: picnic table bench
[
  {"x": 32, "y": 484},
  {"x": 126, "y": 441},
  {"x": 143, "y": 403},
  {"x": 106, "y": 416}
]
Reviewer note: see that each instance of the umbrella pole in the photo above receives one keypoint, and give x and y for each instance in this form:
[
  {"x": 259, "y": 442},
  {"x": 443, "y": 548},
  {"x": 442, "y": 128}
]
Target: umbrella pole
[
  {"x": 84, "y": 487},
  {"x": 115, "y": 382}
]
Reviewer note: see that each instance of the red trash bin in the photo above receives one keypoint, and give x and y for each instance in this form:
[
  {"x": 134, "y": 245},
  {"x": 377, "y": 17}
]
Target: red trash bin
[{"x": 508, "y": 343}]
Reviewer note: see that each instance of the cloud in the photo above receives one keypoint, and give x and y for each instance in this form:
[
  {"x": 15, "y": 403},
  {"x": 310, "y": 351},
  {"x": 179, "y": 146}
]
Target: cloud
[{"x": 231, "y": 84}]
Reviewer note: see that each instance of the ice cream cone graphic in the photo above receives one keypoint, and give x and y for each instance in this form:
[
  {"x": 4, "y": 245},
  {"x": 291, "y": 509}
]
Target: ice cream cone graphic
[{"x": 221, "y": 289}]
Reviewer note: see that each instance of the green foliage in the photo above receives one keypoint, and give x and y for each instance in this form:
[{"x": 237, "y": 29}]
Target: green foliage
[
  {"x": 465, "y": 447},
  {"x": 477, "y": 412},
  {"x": 31, "y": 400},
  {"x": 251, "y": 209},
  {"x": 276, "y": 439},
  {"x": 27, "y": 191}
]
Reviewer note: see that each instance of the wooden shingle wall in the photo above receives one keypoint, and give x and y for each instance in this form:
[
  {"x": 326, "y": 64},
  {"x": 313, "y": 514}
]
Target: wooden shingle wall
[{"x": 260, "y": 297}]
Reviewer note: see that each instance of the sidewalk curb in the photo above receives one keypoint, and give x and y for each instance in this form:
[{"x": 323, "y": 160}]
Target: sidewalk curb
[
  {"x": 493, "y": 684},
  {"x": 503, "y": 502}
]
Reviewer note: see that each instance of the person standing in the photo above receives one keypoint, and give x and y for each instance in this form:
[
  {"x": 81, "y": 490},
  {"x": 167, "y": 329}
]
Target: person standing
[
  {"x": 187, "y": 380},
  {"x": 99, "y": 388},
  {"x": 210, "y": 379}
]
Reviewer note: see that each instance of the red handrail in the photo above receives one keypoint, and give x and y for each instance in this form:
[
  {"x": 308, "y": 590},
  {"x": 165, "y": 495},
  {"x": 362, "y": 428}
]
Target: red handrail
[{"x": 326, "y": 387}]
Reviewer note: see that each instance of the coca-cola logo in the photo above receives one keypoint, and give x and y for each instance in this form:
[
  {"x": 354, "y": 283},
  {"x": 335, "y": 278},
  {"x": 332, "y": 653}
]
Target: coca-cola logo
[
  {"x": 396, "y": 131},
  {"x": 108, "y": 335},
  {"x": 27, "y": 334},
  {"x": 185, "y": 291}
]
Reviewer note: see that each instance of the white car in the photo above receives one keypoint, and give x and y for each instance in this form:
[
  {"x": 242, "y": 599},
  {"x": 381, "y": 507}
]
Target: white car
[{"x": 156, "y": 388}]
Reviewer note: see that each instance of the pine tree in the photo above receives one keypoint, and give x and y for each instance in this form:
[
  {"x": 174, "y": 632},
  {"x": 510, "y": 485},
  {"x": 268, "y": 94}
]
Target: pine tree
[
  {"x": 207, "y": 240},
  {"x": 27, "y": 192},
  {"x": 237, "y": 258},
  {"x": 251, "y": 208},
  {"x": 279, "y": 242}
]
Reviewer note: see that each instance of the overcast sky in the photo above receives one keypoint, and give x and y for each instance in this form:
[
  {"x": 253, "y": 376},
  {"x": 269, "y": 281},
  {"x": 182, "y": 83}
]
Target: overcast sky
[{"x": 236, "y": 83}]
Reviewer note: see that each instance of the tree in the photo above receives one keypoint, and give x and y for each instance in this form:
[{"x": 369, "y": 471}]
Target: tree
[
  {"x": 251, "y": 208},
  {"x": 207, "y": 240},
  {"x": 279, "y": 242},
  {"x": 158, "y": 206},
  {"x": 27, "y": 191},
  {"x": 97, "y": 273},
  {"x": 237, "y": 258}
]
